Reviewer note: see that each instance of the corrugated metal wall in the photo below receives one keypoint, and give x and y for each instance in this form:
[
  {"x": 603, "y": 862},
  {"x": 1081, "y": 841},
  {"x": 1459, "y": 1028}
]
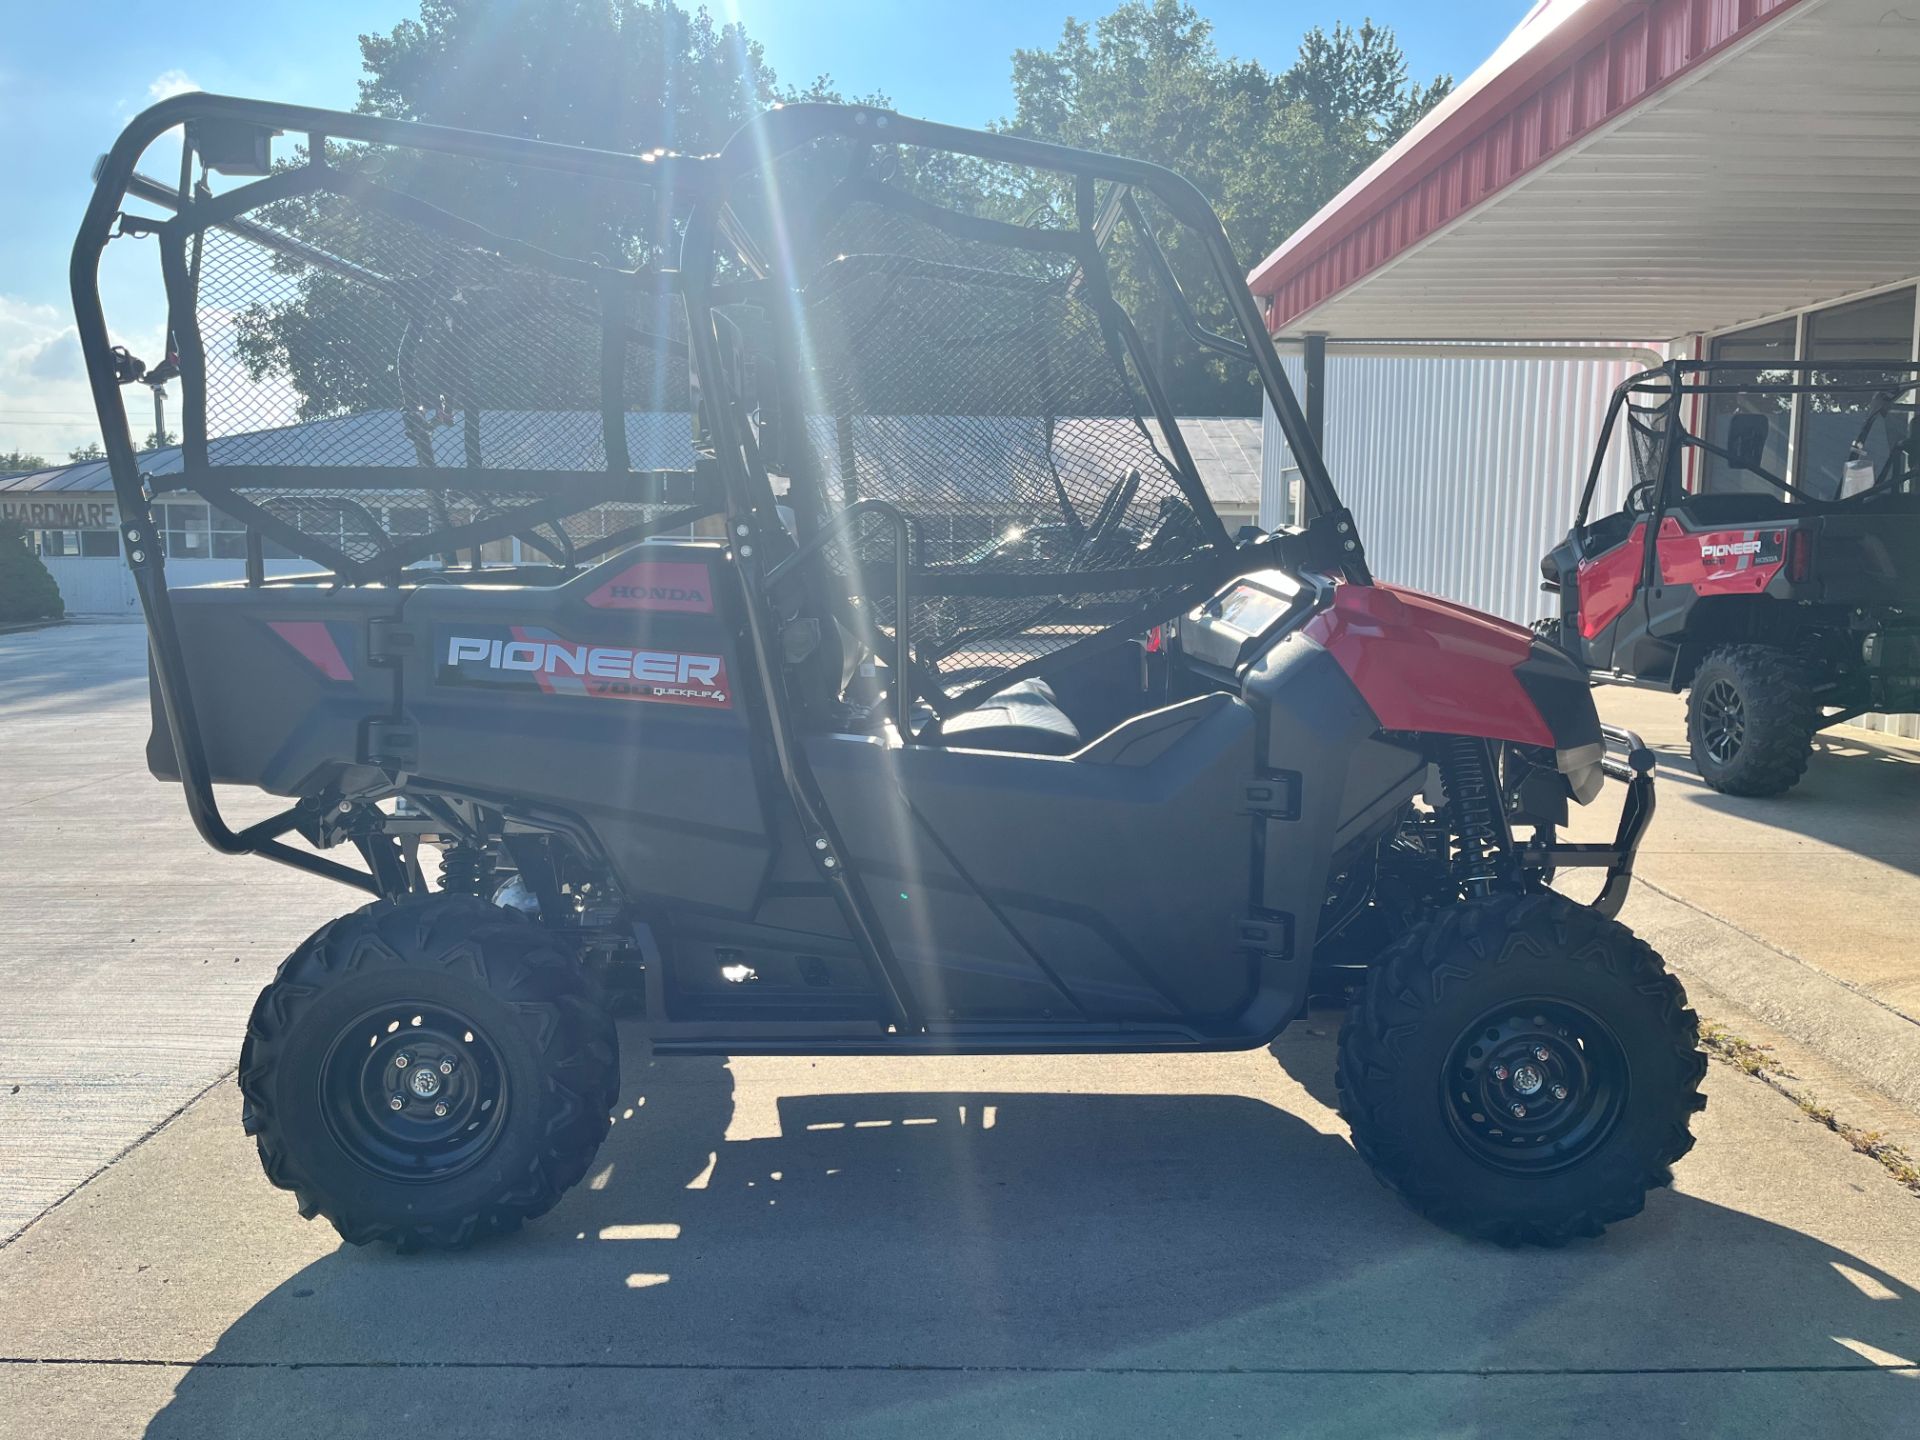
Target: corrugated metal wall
[
  {"x": 1278, "y": 474},
  {"x": 1460, "y": 473}
]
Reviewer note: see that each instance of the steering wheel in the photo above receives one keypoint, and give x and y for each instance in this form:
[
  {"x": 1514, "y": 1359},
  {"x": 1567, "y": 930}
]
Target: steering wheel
[
  {"x": 1640, "y": 498},
  {"x": 1106, "y": 520},
  {"x": 1177, "y": 527}
]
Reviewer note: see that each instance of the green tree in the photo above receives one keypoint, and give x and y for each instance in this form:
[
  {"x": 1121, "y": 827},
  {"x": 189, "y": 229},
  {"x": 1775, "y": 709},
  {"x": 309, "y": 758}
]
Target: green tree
[
  {"x": 157, "y": 440},
  {"x": 11, "y": 460},
  {"x": 1354, "y": 84},
  {"x": 1148, "y": 81},
  {"x": 626, "y": 75},
  {"x": 27, "y": 591},
  {"x": 89, "y": 451}
]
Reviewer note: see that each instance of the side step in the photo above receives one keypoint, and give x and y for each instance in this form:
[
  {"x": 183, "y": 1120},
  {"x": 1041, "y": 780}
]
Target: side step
[{"x": 983, "y": 1039}]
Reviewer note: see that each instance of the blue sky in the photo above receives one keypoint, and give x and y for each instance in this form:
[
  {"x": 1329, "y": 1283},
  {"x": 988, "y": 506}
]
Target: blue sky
[{"x": 71, "y": 75}]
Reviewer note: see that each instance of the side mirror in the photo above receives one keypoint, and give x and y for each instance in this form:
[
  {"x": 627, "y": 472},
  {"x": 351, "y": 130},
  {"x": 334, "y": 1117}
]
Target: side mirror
[{"x": 1747, "y": 437}]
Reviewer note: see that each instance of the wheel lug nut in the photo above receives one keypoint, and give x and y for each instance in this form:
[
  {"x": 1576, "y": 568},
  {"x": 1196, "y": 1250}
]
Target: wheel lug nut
[
  {"x": 1500, "y": 1072},
  {"x": 1559, "y": 1092},
  {"x": 1542, "y": 1054},
  {"x": 446, "y": 1067},
  {"x": 440, "y": 1109},
  {"x": 400, "y": 1062},
  {"x": 396, "y": 1103},
  {"x": 1519, "y": 1111}
]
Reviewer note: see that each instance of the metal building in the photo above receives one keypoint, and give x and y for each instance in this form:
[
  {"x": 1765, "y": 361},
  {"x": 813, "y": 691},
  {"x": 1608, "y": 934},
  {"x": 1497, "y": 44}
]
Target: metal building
[{"x": 73, "y": 524}]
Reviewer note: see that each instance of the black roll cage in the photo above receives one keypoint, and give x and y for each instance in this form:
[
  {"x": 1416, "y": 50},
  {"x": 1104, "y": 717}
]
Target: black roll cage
[
  {"x": 1674, "y": 381},
  {"x": 1330, "y": 544}
]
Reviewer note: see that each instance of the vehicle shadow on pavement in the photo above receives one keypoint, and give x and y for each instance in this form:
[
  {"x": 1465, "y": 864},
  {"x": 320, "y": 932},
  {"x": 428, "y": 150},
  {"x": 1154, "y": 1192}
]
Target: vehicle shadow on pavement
[
  {"x": 998, "y": 1262},
  {"x": 1856, "y": 796}
]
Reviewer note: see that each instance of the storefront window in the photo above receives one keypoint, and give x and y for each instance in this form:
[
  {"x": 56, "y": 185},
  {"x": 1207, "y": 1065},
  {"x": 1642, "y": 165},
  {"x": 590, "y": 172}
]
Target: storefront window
[
  {"x": 185, "y": 531},
  {"x": 57, "y": 542},
  {"x": 229, "y": 537},
  {"x": 1760, "y": 345},
  {"x": 407, "y": 520},
  {"x": 99, "y": 543},
  {"x": 1877, "y": 328}
]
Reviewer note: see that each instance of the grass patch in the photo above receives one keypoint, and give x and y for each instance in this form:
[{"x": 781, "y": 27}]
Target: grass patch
[
  {"x": 1743, "y": 1055},
  {"x": 1759, "y": 1062}
]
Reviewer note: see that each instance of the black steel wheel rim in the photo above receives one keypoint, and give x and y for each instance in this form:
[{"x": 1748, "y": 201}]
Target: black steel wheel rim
[
  {"x": 1535, "y": 1085},
  {"x": 1723, "y": 721},
  {"x": 414, "y": 1093}
]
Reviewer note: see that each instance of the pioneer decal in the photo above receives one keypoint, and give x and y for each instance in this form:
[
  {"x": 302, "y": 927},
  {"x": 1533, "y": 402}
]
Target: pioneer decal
[
  {"x": 1724, "y": 562},
  {"x": 1739, "y": 549},
  {"x": 526, "y": 657},
  {"x": 657, "y": 585}
]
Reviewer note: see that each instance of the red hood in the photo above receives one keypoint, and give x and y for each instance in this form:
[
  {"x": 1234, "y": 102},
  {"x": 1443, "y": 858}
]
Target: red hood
[{"x": 1428, "y": 665}]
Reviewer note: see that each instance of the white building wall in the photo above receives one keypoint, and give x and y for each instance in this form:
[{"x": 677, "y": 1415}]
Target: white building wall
[
  {"x": 99, "y": 585},
  {"x": 1279, "y": 476},
  {"x": 1460, "y": 474}
]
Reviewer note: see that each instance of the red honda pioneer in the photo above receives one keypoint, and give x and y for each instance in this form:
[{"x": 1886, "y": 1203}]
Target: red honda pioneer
[{"x": 1781, "y": 606}]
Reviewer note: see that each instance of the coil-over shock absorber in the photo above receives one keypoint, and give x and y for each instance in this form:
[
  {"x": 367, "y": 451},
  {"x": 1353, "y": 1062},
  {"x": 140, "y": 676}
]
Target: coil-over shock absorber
[
  {"x": 1479, "y": 829},
  {"x": 466, "y": 870}
]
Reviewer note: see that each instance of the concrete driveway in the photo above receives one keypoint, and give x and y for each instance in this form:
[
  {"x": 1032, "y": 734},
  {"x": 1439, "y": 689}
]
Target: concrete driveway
[
  {"x": 1008, "y": 1247},
  {"x": 1800, "y": 907}
]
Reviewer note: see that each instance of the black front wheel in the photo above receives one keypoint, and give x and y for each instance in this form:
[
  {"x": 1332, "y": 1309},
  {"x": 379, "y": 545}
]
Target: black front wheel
[
  {"x": 428, "y": 1073},
  {"x": 1751, "y": 719},
  {"x": 1521, "y": 1069}
]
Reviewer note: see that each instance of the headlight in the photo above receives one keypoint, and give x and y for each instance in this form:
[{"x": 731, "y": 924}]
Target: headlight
[{"x": 1583, "y": 769}]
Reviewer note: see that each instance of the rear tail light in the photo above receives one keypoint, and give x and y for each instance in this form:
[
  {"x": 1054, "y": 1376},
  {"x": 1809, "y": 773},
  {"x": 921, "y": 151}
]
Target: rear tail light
[
  {"x": 1799, "y": 556},
  {"x": 1156, "y": 639}
]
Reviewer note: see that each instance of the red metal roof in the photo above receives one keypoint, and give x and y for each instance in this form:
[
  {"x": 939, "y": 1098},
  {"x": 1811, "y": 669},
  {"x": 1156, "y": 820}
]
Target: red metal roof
[{"x": 1569, "y": 68}]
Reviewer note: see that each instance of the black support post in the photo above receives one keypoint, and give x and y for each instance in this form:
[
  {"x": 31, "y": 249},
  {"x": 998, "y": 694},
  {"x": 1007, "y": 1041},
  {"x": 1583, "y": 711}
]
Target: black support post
[
  {"x": 1315, "y": 368},
  {"x": 1316, "y": 387}
]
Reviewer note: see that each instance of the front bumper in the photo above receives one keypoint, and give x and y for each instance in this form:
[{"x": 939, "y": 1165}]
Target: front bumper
[{"x": 1628, "y": 760}]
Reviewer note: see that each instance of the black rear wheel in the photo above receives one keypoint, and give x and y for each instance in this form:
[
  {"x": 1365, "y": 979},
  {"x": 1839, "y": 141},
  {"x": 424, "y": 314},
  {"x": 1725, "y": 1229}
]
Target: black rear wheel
[
  {"x": 1751, "y": 719},
  {"x": 1521, "y": 1069},
  {"x": 428, "y": 1073}
]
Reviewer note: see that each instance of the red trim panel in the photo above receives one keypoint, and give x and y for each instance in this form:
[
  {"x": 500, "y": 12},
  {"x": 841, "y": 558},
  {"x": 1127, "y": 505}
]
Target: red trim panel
[
  {"x": 1428, "y": 665},
  {"x": 1713, "y": 562},
  {"x": 1601, "y": 59},
  {"x": 316, "y": 645},
  {"x": 657, "y": 585},
  {"x": 1607, "y": 582}
]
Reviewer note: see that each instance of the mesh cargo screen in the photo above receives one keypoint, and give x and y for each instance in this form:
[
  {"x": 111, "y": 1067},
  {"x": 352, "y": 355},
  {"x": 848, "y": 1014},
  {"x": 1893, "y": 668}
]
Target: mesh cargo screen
[
  {"x": 1647, "y": 423},
  {"x": 381, "y": 382},
  {"x": 986, "y": 392}
]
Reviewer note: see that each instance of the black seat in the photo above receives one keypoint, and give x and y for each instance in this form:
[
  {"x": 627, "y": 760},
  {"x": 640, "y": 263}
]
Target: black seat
[{"x": 1024, "y": 718}]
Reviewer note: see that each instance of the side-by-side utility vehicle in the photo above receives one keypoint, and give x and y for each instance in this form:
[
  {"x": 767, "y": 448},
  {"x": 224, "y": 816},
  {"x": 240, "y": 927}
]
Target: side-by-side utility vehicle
[
  {"x": 639, "y": 586},
  {"x": 1781, "y": 606}
]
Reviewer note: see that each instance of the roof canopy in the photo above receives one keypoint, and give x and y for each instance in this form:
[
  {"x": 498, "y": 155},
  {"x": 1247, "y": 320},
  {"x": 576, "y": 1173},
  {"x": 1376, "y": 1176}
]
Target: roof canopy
[{"x": 1631, "y": 169}]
